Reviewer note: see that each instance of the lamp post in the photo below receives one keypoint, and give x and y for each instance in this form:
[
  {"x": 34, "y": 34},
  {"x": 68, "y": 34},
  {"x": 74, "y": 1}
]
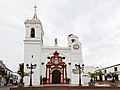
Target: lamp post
[
  {"x": 78, "y": 66},
  {"x": 31, "y": 66}
]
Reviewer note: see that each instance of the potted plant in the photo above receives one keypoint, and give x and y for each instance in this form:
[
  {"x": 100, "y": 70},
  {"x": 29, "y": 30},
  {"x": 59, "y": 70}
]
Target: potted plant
[
  {"x": 112, "y": 75},
  {"x": 68, "y": 80},
  {"x": 100, "y": 74},
  {"x": 93, "y": 77},
  {"x": 92, "y": 80},
  {"x": 44, "y": 80}
]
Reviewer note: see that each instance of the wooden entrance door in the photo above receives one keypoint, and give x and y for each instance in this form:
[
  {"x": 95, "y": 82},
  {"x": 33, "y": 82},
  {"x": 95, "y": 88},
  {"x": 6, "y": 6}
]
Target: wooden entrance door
[{"x": 56, "y": 77}]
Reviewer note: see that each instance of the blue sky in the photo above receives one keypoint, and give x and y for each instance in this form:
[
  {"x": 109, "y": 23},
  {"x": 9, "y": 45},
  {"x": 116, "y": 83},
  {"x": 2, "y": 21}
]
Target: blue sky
[{"x": 95, "y": 22}]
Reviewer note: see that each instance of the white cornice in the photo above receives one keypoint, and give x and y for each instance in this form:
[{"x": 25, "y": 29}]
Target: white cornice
[{"x": 55, "y": 48}]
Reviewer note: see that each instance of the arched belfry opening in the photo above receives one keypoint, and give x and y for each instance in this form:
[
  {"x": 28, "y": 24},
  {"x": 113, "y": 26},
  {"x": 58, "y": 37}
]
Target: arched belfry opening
[
  {"x": 32, "y": 35},
  {"x": 56, "y": 72}
]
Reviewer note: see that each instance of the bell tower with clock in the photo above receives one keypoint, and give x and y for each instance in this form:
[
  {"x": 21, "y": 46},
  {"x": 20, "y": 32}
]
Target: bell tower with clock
[
  {"x": 75, "y": 46},
  {"x": 76, "y": 52}
]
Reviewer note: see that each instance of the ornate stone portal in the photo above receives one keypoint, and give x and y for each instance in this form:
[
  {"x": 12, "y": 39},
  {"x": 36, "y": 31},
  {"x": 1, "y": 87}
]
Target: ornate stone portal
[{"x": 56, "y": 70}]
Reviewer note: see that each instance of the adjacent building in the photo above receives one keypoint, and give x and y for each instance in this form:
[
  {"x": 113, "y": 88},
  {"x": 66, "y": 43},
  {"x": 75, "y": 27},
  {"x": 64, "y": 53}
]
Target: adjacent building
[
  {"x": 6, "y": 75},
  {"x": 107, "y": 70}
]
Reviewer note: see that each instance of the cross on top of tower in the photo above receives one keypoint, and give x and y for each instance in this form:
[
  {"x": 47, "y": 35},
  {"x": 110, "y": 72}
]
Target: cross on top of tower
[
  {"x": 35, "y": 14},
  {"x": 35, "y": 8}
]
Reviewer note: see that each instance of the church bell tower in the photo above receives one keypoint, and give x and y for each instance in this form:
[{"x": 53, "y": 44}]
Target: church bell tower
[
  {"x": 34, "y": 31},
  {"x": 32, "y": 45}
]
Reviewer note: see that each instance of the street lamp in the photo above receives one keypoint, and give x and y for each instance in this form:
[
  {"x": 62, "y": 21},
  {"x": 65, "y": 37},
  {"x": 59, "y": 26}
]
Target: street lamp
[
  {"x": 78, "y": 66},
  {"x": 31, "y": 66}
]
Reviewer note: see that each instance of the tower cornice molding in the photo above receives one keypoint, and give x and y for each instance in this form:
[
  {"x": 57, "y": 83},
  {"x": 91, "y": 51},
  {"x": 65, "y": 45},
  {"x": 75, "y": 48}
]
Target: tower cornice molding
[{"x": 32, "y": 21}]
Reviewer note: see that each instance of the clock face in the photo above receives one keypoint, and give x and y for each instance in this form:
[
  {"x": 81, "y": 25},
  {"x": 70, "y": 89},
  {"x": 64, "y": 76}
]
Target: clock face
[{"x": 76, "y": 46}]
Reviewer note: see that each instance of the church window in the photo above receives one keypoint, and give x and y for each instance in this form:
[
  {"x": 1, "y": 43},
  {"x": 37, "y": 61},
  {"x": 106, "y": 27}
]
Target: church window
[
  {"x": 72, "y": 40},
  {"x": 32, "y": 33},
  {"x": 115, "y": 68},
  {"x": 32, "y": 56}
]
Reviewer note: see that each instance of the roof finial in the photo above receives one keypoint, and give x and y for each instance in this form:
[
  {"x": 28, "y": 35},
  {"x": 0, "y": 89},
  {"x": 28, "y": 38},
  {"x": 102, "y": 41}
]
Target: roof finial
[{"x": 35, "y": 14}]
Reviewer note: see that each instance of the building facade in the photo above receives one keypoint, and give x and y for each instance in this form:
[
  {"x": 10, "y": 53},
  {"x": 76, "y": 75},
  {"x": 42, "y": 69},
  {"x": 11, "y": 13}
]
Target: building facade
[
  {"x": 55, "y": 63},
  {"x": 7, "y": 77},
  {"x": 107, "y": 70}
]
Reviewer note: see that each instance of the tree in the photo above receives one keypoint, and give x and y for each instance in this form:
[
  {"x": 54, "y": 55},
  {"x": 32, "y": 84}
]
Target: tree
[
  {"x": 94, "y": 75},
  {"x": 92, "y": 78},
  {"x": 100, "y": 74},
  {"x": 21, "y": 72},
  {"x": 91, "y": 75},
  {"x": 112, "y": 75}
]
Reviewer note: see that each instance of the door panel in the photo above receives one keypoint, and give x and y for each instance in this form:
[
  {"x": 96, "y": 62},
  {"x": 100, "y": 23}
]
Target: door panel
[{"x": 56, "y": 77}]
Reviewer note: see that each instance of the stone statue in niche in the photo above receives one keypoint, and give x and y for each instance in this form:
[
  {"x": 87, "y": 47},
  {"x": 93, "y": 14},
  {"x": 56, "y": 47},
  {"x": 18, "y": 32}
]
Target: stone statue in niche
[{"x": 55, "y": 41}]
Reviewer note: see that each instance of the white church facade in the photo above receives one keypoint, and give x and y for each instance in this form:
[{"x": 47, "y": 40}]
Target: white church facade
[{"x": 55, "y": 63}]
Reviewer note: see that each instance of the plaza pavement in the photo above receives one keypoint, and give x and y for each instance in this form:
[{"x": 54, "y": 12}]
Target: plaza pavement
[
  {"x": 67, "y": 87},
  {"x": 5, "y": 88},
  {"x": 58, "y": 87}
]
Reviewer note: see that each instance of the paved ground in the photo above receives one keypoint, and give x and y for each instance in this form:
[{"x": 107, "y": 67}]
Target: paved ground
[
  {"x": 5, "y": 88},
  {"x": 76, "y": 87},
  {"x": 65, "y": 87}
]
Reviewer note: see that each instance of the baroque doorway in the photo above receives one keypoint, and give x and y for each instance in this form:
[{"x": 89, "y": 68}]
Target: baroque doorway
[{"x": 56, "y": 72}]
